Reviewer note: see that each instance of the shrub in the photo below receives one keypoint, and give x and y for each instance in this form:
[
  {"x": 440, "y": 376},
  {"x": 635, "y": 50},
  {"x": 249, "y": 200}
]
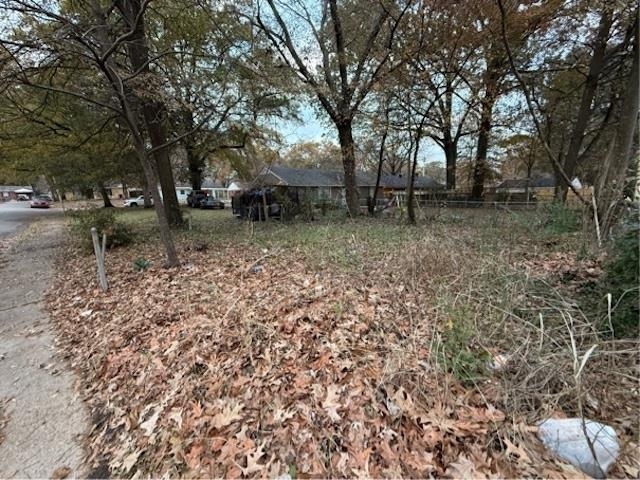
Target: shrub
[
  {"x": 104, "y": 220},
  {"x": 458, "y": 352}
]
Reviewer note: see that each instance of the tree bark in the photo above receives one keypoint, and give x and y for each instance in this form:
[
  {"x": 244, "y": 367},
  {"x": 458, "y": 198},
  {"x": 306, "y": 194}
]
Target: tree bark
[
  {"x": 374, "y": 200},
  {"x": 584, "y": 111},
  {"x": 163, "y": 223},
  {"x": 451, "y": 156},
  {"x": 154, "y": 118},
  {"x": 153, "y": 111},
  {"x": 196, "y": 164},
  {"x": 612, "y": 178},
  {"x": 486, "y": 117},
  {"x": 449, "y": 145},
  {"x": 411, "y": 212},
  {"x": 105, "y": 197},
  {"x": 347, "y": 147}
]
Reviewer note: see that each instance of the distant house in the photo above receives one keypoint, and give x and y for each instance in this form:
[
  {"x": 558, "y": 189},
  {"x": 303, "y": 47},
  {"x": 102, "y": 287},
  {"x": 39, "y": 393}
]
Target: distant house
[
  {"x": 216, "y": 189},
  {"x": 15, "y": 192},
  {"x": 541, "y": 188},
  {"x": 235, "y": 187},
  {"x": 328, "y": 185}
]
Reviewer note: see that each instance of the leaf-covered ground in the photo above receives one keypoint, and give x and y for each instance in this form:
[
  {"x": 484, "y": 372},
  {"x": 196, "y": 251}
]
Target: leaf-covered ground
[{"x": 313, "y": 358}]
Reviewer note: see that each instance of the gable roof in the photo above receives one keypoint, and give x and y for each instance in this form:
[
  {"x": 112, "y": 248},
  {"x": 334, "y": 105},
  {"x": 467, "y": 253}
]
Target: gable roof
[
  {"x": 14, "y": 188},
  {"x": 542, "y": 182},
  {"x": 400, "y": 182},
  {"x": 313, "y": 177},
  {"x": 301, "y": 177}
]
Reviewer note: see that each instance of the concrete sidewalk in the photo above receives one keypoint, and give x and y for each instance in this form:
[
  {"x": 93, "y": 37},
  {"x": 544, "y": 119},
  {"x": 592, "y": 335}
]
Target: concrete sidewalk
[{"x": 46, "y": 421}]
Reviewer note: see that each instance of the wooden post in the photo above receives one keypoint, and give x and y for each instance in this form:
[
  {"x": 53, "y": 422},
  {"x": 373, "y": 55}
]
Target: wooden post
[
  {"x": 264, "y": 203},
  {"x": 99, "y": 251}
]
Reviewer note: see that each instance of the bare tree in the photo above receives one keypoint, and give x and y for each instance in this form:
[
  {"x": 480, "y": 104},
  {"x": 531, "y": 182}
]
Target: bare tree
[{"x": 341, "y": 55}]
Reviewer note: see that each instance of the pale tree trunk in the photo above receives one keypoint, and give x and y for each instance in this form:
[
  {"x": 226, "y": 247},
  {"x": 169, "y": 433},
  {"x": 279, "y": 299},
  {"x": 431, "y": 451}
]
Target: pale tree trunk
[
  {"x": 584, "y": 111},
  {"x": 612, "y": 177}
]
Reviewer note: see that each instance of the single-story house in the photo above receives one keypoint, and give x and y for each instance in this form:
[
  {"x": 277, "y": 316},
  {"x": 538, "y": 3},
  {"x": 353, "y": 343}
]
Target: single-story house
[
  {"x": 216, "y": 189},
  {"x": 328, "y": 185},
  {"x": 235, "y": 187},
  {"x": 540, "y": 188},
  {"x": 14, "y": 192}
]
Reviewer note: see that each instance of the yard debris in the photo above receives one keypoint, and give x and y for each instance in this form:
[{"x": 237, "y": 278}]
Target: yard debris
[
  {"x": 301, "y": 370},
  {"x": 499, "y": 362},
  {"x": 578, "y": 441}
]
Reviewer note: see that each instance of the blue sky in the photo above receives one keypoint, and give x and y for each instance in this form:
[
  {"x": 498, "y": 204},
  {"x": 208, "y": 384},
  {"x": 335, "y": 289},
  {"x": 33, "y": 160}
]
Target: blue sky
[{"x": 311, "y": 129}]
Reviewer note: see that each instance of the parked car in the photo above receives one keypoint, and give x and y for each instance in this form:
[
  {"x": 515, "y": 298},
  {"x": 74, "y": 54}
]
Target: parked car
[
  {"x": 40, "y": 202},
  {"x": 211, "y": 203},
  {"x": 135, "y": 201},
  {"x": 195, "y": 197}
]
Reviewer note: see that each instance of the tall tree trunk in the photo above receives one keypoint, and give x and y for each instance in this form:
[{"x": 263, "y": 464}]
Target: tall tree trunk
[
  {"x": 612, "y": 177},
  {"x": 450, "y": 145},
  {"x": 412, "y": 164},
  {"x": 347, "y": 147},
  {"x": 196, "y": 168},
  {"x": 480, "y": 168},
  {"x": 374, "y": 200},
  {"x": 153, "y": 111},
  {"x": 148, "y": 166},
  {"x": 154, "y": 118},
  {"x": 105, "y": 196},
  {"x": 195, "y": 162},
  {"x": 146, "y": 189},
  {"x": 451, "y": 156},
  {"x": 584, "y": 111}
]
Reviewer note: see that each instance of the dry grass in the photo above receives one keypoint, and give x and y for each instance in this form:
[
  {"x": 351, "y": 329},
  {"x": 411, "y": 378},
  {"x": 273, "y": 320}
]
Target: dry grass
[{"x": 407, "y": 318}]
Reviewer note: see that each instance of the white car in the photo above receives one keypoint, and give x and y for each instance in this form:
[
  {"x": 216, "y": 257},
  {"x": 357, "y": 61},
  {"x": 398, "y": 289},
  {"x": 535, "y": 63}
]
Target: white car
[{"x": 135, "y": 201}]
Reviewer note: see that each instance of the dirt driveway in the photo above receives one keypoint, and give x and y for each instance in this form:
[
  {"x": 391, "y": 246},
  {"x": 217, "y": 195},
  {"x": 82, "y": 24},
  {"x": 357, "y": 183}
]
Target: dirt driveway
[{"x": 44, "y": 420}]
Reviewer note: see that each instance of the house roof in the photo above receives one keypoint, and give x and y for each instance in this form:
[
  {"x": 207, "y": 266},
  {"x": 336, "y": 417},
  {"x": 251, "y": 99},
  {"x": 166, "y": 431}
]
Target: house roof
[
  {"x": 15, "y": 188},
  {"x": 400, "y": 182},
  {"x": 313, "y": 177},
  {"x": 542, "y": 182},
  {"x": 302, "y": 177}
]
